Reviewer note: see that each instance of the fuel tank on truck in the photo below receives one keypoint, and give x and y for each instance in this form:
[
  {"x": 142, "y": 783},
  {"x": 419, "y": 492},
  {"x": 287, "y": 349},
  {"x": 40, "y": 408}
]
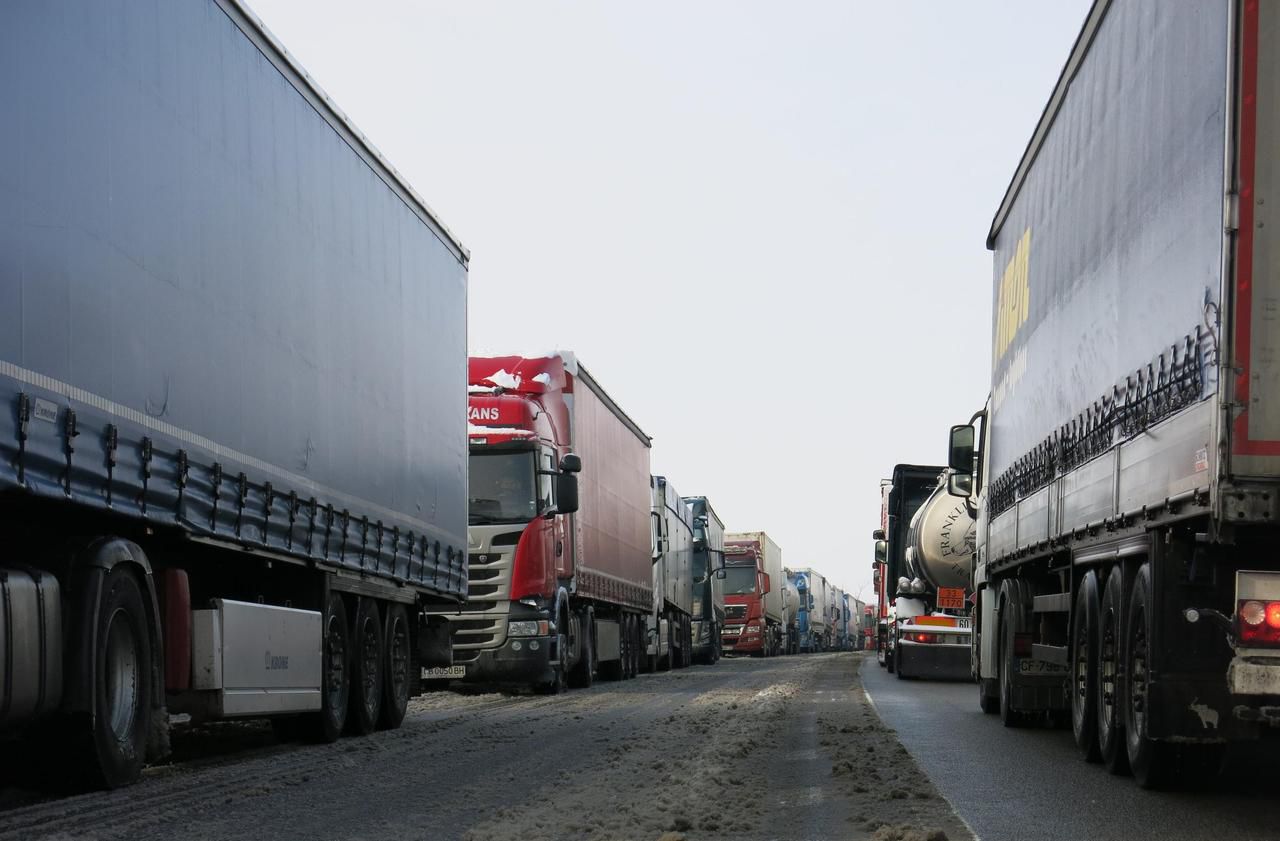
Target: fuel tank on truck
[{"x": 940, "y": 540}]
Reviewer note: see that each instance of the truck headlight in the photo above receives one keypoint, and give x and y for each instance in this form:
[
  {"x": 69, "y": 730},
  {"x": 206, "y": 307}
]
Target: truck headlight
[{"x": 526, "y": 628}]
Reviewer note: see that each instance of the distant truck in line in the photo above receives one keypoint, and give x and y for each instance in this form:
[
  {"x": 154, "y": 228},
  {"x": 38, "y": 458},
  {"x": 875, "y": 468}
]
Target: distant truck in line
[
  {"x": 815, "y": 619},
  {"x": 791, "y": 613},
  {"x": 233, "y": 448},
  {"x": 708, "y": 587},
  {"x": 753, "y": 595},
  {"x": 670, "y": 624},
  {"x": 1125, "y": 471},
  {"x": 928, "y": 556}
]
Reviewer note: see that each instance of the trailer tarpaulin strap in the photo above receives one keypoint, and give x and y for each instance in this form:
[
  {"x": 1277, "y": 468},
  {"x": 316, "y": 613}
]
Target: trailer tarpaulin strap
[{"x": 1172, "y": 382}]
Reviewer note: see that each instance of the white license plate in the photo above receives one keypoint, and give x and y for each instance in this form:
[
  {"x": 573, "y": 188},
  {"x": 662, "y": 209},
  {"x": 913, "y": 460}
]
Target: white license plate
[
  {"x": 1027, "y": 666},
  {"x": 963, "y": 622},
  {"x": 444, "y": 673}
]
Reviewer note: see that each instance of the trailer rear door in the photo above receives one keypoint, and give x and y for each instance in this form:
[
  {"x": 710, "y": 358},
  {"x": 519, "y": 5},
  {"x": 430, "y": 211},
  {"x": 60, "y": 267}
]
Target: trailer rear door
[{"x": 1255, "y": 438}]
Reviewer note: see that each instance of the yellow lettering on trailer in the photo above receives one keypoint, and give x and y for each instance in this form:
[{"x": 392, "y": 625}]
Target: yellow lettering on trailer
[{"x": 1014, "y": 300}]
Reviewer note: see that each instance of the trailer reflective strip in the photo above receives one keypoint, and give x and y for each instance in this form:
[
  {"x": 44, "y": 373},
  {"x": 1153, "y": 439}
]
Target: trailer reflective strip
[{"x": 102, "y": 404}]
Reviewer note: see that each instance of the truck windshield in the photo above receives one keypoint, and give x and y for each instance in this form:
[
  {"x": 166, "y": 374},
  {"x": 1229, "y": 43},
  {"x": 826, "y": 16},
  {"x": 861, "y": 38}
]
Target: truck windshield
[
  {"x": 502, "y": 488},
  {"x": 739, "y": 581}
]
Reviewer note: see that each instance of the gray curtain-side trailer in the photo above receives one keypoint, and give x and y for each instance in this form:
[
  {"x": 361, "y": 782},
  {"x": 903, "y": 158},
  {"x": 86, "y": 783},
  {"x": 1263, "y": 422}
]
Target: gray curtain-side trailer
[
  {"x": 1128, "y": 468},
  {"x": 233, "y": 379}
]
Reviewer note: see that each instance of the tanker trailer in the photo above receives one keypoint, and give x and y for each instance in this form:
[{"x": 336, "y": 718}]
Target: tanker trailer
[{"x": 933, "y": 627}]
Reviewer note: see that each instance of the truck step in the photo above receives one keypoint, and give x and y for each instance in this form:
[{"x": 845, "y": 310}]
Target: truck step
[
  {"x": 1051, "y": 654},
  {"x": 1052, "y": 603}
]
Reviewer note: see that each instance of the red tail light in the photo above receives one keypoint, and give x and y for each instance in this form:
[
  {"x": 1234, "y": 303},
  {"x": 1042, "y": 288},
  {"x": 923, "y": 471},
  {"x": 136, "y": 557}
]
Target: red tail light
[
  {"x": 923, "y": 637},
  {"x": 1258, "y": 622}
]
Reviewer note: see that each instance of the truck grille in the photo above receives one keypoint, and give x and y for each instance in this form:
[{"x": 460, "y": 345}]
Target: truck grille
[
  {"x": 735, "y": 611},
  {"x": 488, "y": 579},
  {"x": 482, "y": 623}
]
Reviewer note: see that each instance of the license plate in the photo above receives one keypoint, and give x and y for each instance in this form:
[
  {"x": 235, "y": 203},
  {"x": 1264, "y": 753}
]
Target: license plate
[
  {"x": 962, "y": 622},
  {"x": 1027, "y": 666},
  {"x": 444, "y": 673}
]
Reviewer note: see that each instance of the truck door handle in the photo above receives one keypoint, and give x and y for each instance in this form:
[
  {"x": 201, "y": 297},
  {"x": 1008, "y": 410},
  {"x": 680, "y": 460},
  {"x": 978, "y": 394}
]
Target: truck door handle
[{"x": 559, "y": 548}]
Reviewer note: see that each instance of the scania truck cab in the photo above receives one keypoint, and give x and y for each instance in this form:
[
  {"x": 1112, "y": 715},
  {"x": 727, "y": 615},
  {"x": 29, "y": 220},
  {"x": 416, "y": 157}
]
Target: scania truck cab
[{"x": 521, "y": 500}]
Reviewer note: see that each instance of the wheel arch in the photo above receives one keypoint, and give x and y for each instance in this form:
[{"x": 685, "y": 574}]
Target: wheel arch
[{"x": 91, "y": 566}]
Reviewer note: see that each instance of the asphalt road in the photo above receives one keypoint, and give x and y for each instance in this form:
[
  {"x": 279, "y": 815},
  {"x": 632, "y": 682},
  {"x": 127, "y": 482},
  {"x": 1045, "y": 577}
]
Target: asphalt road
[
  {"x": 1024, "y": 785},
  {"x": 785, "y": 748}
]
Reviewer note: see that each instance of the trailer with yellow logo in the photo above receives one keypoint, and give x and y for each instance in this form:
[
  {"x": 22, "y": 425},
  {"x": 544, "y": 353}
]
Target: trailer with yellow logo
[{"x": 1125, "y": 472}]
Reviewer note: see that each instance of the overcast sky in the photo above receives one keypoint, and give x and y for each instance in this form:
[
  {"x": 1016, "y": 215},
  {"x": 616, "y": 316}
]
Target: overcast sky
[{"x": 760, "y": 225}]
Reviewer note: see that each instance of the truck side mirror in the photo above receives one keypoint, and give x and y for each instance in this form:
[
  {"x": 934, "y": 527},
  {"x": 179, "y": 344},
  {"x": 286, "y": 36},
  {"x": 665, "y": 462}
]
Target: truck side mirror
[
  {"x": 882, "y": 551},
  {"x": 566, "y": 493},
  {"x": 570, "y": 464},
  {"x": 720, "y": 573},
  {"x": 960, "y": 485},
  {"x": 766, "y": 583},
  {"x": 878, "y": 534},
  {"x": 960, "y": 455}
]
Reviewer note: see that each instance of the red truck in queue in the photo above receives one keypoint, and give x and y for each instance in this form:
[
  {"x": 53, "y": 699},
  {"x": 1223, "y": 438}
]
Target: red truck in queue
[
  {"x": 555, "y": 594},
  {"x": 753, "y": 586}
]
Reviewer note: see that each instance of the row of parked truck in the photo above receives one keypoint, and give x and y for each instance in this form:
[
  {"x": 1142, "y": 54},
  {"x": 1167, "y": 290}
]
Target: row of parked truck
[
  {"x": 1122, "y": 482},
  {"x": 246, "y": 466},
  {"x": 621, "y": 576}
]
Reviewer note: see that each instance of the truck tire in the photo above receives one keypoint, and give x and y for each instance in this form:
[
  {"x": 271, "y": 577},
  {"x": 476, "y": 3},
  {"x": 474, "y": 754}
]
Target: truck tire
[
  {"x": 666, "y": 656},
  {"x": 626, "y": 646},
  {"x": 633, "y": 648},
  {"x": 366, "y": 669},
  {"x": 113, "y": 742},
  {"x": 640, "y": 658},
  {"x": 1084, "y": 668},
  {"x": 335, "y": 675},
  {"x": 583, "y": 673},
  {"x": 1110, "y": 682},
  {"x": 396, "y": 667},
  {"x": 1154, "y": 764}
]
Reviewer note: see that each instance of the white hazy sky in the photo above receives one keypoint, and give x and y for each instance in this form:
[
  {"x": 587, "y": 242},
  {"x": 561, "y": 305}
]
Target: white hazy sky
[{"x": 760, "y": 225}]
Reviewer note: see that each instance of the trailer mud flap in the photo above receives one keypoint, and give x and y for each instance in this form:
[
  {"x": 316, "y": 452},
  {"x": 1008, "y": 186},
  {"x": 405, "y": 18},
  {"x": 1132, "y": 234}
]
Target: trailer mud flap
[
  {"x": 435, "y": 646},
  {"x": 1189, "y": 709}
]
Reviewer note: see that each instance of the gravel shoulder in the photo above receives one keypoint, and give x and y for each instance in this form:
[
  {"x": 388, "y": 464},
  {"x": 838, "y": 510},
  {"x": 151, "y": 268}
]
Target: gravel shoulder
[{"x": 784, "y": 748}]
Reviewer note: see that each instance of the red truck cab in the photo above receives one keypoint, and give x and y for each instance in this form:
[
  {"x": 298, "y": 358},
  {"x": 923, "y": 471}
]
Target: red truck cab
[
  {"x": 520, "y": 534},
  {"x": 746, "y": 584}
]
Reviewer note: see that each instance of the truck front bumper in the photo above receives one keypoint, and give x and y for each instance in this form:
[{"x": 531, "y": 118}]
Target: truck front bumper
[
  {"x": 936, "y": 660},
  {"x": 731, "y": 642},
  {"x": 520, "y": 660}
]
